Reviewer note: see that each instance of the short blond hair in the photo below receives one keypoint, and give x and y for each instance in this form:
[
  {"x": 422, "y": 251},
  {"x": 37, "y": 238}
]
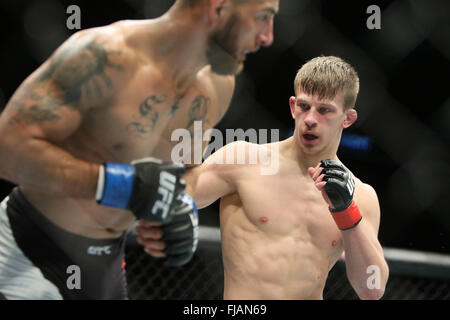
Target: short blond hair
[{"x": 326, "y": 76}]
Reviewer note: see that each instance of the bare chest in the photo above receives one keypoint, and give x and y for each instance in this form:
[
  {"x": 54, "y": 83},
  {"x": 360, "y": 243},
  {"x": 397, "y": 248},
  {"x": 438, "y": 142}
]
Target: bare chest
[
  {"x": 290, "y": 207},
  {"x": 142, "y": 121}
]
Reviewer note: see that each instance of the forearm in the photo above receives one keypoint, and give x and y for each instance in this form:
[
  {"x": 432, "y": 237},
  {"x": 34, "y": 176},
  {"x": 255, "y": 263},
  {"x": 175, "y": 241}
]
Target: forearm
[
  {"x": 37, "y": 164},
  {"x": 366, "y": 267}
]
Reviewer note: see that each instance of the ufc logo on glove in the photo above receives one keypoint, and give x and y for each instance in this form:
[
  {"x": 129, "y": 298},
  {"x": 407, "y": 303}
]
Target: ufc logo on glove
[
  {"x": 351, "y": 186},
  {"x": 146, "y": 187},
  {"x": 166, "y": 189}
]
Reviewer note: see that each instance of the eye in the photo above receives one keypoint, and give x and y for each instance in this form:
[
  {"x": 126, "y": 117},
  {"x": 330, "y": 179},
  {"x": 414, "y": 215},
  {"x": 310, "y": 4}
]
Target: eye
[
  {"x": 264, "y": 17},
  {"x": 324, "y": 110},
  {"x": 304, "y": 106}
]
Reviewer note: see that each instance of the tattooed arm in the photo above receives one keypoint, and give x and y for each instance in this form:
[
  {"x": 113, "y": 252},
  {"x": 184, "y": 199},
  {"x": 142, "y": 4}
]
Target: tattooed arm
[{"x": 47, "y": 108}]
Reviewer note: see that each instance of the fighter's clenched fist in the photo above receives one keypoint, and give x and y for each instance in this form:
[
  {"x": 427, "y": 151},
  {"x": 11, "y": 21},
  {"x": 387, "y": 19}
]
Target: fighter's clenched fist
[
  {"x": 337, "y": 185},
  {"x": 148, "y": 187}
]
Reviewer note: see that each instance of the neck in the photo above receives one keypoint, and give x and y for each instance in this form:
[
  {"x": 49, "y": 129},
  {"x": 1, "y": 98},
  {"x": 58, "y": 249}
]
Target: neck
[
  {"x": 177, "y": 45},
  {"x": 306, "y": 159}
]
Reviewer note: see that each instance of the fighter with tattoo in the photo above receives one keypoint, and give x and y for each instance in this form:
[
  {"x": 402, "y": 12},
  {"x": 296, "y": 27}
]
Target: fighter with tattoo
[{"x": 86, "y": 139}]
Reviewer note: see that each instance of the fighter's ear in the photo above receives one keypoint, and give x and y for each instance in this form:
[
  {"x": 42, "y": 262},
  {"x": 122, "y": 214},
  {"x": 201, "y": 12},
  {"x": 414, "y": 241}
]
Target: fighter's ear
[
  {"x": 216, "y": 9},
  {"x": 350, "y": 118}
]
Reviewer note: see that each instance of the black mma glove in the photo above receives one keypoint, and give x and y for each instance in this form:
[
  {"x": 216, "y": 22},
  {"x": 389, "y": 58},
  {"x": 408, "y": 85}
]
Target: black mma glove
[
  {"x": 148, "y": 187},
  {"x": 340, "y": 184},
  {"x": 181, "y": 233},
  {"x": 340, "y": 188}
]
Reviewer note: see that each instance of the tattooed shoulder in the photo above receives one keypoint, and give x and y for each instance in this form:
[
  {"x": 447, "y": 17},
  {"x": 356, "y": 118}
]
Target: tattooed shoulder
[
  {"x": 82, "y": 71},
  {"x": 78, "y": 75}
]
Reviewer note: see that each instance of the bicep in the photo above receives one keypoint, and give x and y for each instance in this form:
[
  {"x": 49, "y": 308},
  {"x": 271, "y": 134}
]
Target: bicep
[
  {"x": 36, "y": 111},
  {"x": 33, "y": 121}
]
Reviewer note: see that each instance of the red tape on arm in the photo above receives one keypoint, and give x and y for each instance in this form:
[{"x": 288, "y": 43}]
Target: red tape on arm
[{"x": 349, "y": 218}]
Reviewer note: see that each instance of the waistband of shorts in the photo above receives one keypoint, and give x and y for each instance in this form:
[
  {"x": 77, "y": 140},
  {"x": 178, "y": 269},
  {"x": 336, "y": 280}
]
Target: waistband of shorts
[{"x": 19, "y": 203}]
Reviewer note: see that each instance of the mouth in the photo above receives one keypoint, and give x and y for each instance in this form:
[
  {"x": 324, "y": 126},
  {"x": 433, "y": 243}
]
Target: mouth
[{"x": 310, "y": 138}]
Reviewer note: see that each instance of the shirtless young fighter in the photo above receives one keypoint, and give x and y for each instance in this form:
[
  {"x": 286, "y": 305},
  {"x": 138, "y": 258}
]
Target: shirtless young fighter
[
  {"x": 282, "y": 233},
  {"x": 72, "y": 132}
]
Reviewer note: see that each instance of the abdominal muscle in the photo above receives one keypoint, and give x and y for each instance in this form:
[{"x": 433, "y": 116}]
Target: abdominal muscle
[{"x": 259, "y": 265}]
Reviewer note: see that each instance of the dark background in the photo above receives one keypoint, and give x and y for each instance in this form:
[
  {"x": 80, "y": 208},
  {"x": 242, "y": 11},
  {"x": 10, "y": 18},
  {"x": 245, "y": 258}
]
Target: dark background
[{"x": 404, "y": 102}]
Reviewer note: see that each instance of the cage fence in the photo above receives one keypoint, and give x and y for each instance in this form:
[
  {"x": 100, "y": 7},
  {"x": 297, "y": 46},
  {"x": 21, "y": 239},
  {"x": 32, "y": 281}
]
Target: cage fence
[
  {"x": 404, "y": 107},
  {"x": 413, "y": 275}
]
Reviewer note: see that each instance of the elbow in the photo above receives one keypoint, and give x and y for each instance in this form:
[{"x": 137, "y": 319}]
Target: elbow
[
  {"x": 371, "y": 287},
  {"x": 370, "y": 294},
  {"x": 369, "y": 291}
]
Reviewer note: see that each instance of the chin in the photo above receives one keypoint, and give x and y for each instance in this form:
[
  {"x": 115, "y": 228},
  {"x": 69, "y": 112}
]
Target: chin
[{"x": 309, "y": 149}]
